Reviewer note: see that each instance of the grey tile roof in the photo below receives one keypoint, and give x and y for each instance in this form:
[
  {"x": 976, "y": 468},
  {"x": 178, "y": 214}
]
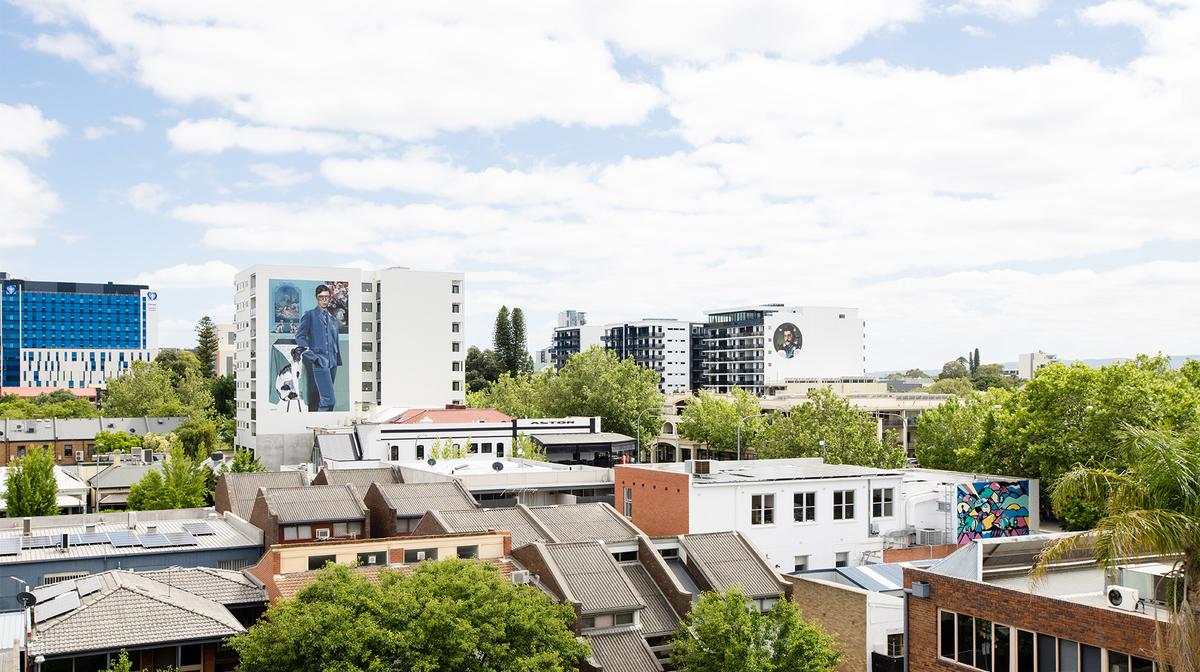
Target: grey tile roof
[
  {"x": 414, "y": 499},
  {"x": 581, "y": 438},
  {"x": 83, "y": 429},
  {"x": 222, "y": 586},
  {"x": 359, "y": 478},
  {"x": 337, "y": 447},
  {"x": 120, "y": 475},
  {"x": 523, "y": 528},
  {"x": 585, "y": 522},
  {"x": 593, "y": 578},
  {"x": 659, "y": 617},
  {"x": 623, "y": 651},
  {"x": 129, "y": 611},
  {"x": 243, "y": 487},
  {"x": 315, "y": 503},
  {"x": 726, "y": 559}
]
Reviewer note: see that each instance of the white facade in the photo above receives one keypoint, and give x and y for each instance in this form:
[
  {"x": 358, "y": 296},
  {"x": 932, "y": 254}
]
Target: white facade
[
  {"x": 226, "y": 349},
  {"x": 664, "y": 346},
  {"x": 1029, "y": 363},
  {"x": 77, "y": 367},
  {"x": 570, "y": 340},
  {"x": 400, "y": 341}
]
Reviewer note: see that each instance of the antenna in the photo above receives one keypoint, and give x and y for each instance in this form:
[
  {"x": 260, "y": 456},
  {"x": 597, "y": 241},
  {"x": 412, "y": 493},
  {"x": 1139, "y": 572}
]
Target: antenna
[
  {"x": 431, "y": 462},
  {"x": 497, "y": 466}
]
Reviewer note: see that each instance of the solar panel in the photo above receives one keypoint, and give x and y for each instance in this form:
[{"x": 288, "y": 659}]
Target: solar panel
[
  {"x": 154, "y": 540},
  {"x": 56, "y": 607},
  {"x": 87, "y": 586},
  {"x": 180, "y": 539},
  {"x": 11, "y": 546},
  {"x": 88, "y": 539},
  {"x": 199, "y": 529},
  {"x": 122, "y": 539},
  {"x": 38, "y": 542}
]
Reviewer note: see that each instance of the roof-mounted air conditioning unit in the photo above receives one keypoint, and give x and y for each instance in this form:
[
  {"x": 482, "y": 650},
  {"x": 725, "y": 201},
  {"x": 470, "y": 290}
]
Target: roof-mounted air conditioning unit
[
  {"x": 521, "y": 576},
  {"x": 1122, "y": 597}
]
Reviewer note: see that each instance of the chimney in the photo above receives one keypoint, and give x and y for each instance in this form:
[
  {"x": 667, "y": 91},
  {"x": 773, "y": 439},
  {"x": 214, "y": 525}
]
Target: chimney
[
  {"x": 90, "y": 528},
  {"x": 116, "y": 457},
  {"x": 66, "y": 543},
  {"x": 133, "y": 520},
  {"x": 27, "y": 526}
]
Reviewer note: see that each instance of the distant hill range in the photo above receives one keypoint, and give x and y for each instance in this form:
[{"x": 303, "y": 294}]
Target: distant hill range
[{"x": 1176, "y": 362}]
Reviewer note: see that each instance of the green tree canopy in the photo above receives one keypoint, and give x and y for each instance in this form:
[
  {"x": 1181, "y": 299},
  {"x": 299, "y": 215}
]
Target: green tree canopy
[
  {"x": 143, "y": 390},
  {"x": 223, "y": 390},
  {"x": 243, "y": 461},
  {"x": 850, "y": 435},
  {"x": 179, "y": 363},
  {"x": 180, "y": 483},
  {"x": 949, "y": 436},
  {"x": 519, "y": 360},
  {"x": 961, "y": 387},
  {"x": 988, "y": 376},
  {"x": 107, "y": 442},
  {"x": 954, "y": 369},
  {"x": 915, "y": 373},
  {"x": 56, "y": 404},
  {"x": 483, "y": 367},
  {"x": 32, "y": 489},
  {"x": 448, "y": 615},
  {"x": 199, "y": 436},
  {"x": 724, "y": 633},
  {"x": 207, "y": 346},
  {"x": 713, "y": 420}
]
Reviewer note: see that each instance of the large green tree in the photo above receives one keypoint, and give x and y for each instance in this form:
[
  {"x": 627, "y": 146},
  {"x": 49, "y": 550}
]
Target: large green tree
[
  {"x": 448, "y": 615},
  {"x": 199, "y": 436},
  {"x": 520, "y": 361},
  {"x": 988, "y": 376},
  {"x": 502, "y": 337},
  {"x": 483, "y": 367},
  {"x": 179, "y": 363},
  {"x": 954, "y": 369},
  {"x": 31, "y": 489},
  {"x": 224, "y": 392},
  {"x": 107, "y": 442},
  {"x": 180, "y": 483},
  {"x": 142, "y": 390},
  {"x": 713, "y": 420},
  {"x": 724, "y": 633},
  {"x": 949, "y": 436},
  {"x": 207, "y": 346},
  {"x": 56, "y": 404},
  {"x": 961, "y": 387},
  {"x": 829, "y": 426}
]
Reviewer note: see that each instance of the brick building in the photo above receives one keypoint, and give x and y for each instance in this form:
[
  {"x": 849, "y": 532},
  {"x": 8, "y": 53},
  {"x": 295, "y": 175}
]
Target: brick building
[
  {"x": 310, "y": 513},
  {"x": 73, "y": 440}
]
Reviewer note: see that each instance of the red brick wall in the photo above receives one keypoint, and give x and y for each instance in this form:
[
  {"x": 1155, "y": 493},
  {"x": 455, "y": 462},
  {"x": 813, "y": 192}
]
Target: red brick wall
[
  {"x": 918, "y": 553},
  {"x": 660, "y": 499},
  {"x": 1098, "y": 626}
]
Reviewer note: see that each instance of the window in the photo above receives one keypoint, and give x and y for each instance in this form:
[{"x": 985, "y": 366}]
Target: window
[
  {"x": 485, "y": 448},
  {"x": 841, "y": 559},
  {"x": 1068, "y": 656},
  {"x": 412, "y": 555},
  {"x": 843, "y": 505},
  {"x": 455, "y": 346},
  {"x": 366, "y": 287},
  {"x": 499, "y": 450},
  {"x": 623, "y": 619},
  {"x": 319, "y": 561},
  {"x": 456, "y": 385},
  {"x": 50, "y": 579},
  {"x": 895, "y": 645},
  {"x": 455, "y": 288},
  {"x": 367, "y": 346},
  {"x": 420, "y": 452},
  {"x": 628, "y": 499},
  {"x": 395, "y": 453},
  {"x": 368, "y": 366},
  {"x": 456, "y": 307},
  {"x": 946, "y": 621},
  {"x": 881, "y": 502},
  {"x": 289, "y": 533},
  {"x": 625, "y": 556},
  {"x": 762, "y": 509},
  {"x": 375, "y": 558},
  {"x": 588, "y": 622},
  {"x": 367, "y": 307},
  {"x": 1025, "y": 651},
  {"x": 801, "y": 563},
  {"x": 455, "y": 327},
  {"x": 1000, "y": 657},
  {"x": 804, "y": 507},
  {"x": 233, "y": 565},
  {"x": 368, "y": 386},
  {"x": 1046, "y": 653},
  {"x": 322, "y": 533},
  {"x": 406, "y": 525},
  {"x": 466, "y": 552},
  {"x": 367, "y": 327},
  {"x": 1089, "y": 658},
  {"x": 456, "y": 365}
]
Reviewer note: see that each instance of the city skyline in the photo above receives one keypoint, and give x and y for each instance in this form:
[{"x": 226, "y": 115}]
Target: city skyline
[{"x": 1012, "y": 176}]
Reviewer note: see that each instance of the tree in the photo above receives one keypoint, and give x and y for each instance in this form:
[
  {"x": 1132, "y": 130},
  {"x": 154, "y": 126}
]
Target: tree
[
  {"x": 502, "y": 338},
  {"x": 181, "y": 483},
  {"x": 142, "y": 390},
  {"x": 207, "y": 346},
  {"x": 915, "y": 373},
  {"x": 450, "y": 614},
  {"x": 973, "y": 362},
  {"x": 950, "y": 436},
  {"x": 224, "y": 390},
  {"x": 199, "y": 436},
  {"x": 829, "y": 426},
  {"x": 953, "y": 369},
  {"x": 991, "y": 375},
  {"x": 179, "y": 363},
  {"x": 107, "y": 442},
  {"x": 714, "y": 420},
  {"x": 521, "y": 397},
  {"x": 723, "y": 632},
  {"x": 521, "y": 361},
  {"x": 32, "y": 489},
  {"x": 57, "y": 404},
  {"x": 243, "y": 462},
  {"x": 961, "y": 387},
  {"x": 1148, "y": 507},
  {"x": 528, "y": 449},
  {"x": 121, "y": 663},
  {"x": 483, "y": 367}
]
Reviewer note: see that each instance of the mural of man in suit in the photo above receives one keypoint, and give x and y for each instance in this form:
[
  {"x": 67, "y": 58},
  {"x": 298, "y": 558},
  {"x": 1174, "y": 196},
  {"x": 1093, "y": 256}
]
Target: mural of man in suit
[{"x": 318, "y": 335}]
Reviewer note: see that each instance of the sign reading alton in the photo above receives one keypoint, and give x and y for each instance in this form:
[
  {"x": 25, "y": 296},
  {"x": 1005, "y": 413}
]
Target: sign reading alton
[{"x": 309, "y": 336}]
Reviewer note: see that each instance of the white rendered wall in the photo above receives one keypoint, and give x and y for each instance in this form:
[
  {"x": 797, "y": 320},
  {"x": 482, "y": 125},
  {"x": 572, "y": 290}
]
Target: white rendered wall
[
  {"x": 416, "y": 347},
  {"x": 54, "y": 367},
  {"x": 833, "y": 344}
]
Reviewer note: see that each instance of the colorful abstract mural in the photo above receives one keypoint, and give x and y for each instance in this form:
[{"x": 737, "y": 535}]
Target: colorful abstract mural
[{"x": 992, "y": 509}]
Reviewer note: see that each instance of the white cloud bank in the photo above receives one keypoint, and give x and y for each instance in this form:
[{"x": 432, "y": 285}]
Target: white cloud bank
[{"x": 26, "y": 202}]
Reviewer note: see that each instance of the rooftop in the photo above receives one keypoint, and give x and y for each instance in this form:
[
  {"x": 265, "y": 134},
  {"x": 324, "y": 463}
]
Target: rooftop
[
  {"x": 289, "y": 585},
  {"x": 563, "y": 523},
  {"x": 313, "y": 503},
  {"x": 726, "y": 559},
  {"x": 243, "y": 487},
  {"x": 745, "y": 471},
  {"x": 592, "y": 578},
  {"x": 359, "y": 478},
  {"x": 450, "y": 416},
  {"x": 82, "y": 429},
  {"x": 414, "y": 499},
  {"x": 623, "y": 651},
  {"x": 581, "y": 438}
]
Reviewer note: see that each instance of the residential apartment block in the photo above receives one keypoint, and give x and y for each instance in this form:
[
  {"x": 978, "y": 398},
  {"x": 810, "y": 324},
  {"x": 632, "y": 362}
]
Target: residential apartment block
[
  {"x": 664, "y": 346},
  {"x": 73, "y": 335},
  {"x": 319, "y": 347},
  {"x": 568, "y": 341}
]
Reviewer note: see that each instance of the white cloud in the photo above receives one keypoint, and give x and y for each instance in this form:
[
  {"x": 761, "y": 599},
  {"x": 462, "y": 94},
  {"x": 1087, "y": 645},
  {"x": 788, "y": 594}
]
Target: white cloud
[
  {"x": 275, "y": 175},
  {"x": 188, "y": 276},
  {"x": 132, "y": 123},
  {"x": 976, "y": 31},
  {"x": 23, "y": 130},
  {"x": 213, "y": 136},
  {"x": 1001, "y": 10},
  {"x": 97, "y": 132},
  {"x": 26, "y": 202},
  {"x": 147, "y": 196}
]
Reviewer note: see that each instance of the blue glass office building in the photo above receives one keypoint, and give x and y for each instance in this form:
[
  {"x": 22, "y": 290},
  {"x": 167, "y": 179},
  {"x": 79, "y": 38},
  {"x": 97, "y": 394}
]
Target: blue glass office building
[{"x": 68, "y": 334}]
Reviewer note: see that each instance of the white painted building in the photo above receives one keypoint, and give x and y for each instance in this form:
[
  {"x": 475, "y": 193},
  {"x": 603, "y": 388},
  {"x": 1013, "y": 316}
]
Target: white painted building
[
  {"x": 1028, "y": 363},
  {"x": 400, "y": 344},
  {"x": 755, "y": 347},
  {"x": 226, "y": 349},
  {"x": 570, "y": 340},
  {"x": 804, "y": 514},
  {"x": 662, "y": 345}
]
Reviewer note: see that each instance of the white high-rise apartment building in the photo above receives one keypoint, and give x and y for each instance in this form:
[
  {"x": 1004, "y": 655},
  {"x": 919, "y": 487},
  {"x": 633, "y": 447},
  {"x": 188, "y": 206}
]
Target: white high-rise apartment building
[
  {"x": 1028, "y": 363},
  {"x": 664, "y": 345},
  {"x": 320, "y": 347}
]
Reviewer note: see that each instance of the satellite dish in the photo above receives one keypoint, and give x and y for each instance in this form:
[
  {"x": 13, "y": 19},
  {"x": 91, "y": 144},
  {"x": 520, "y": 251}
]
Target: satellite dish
[
  {"x": 431, "y": 462},
  {"x": 497, "y": 466},
  {"x": 26, "y": 599}
]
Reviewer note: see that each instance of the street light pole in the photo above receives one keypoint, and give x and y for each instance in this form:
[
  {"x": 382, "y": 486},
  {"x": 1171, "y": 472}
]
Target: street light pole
[
  {"x": 739, "y": 433},
  {"x": 639, "y": 433}
]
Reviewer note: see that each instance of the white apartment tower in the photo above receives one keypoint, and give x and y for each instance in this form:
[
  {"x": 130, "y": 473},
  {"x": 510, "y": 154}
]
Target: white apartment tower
[
  {"x": 664, "y": 345},
  {"x": 320, "y": 347}
]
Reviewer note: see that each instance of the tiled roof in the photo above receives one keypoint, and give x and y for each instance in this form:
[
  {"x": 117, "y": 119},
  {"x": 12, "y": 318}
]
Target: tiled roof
[
  {"x": 222, "y": 586},
  {"x": 243, "y": 487},
  {"x": 414, "y": 499},
  {"x": 359, "y": 478},
  {"x": 315, "y": 503},
  {"x": 623, "y": 651},
  {"x": 289, "y": 585},
  {"x": 523, "y": 528},
  {"x": 585, "y": 522},
  {"x": 450, "y": 415},
  {"x": 658, "y": 618},
  {"x": 593, "y": 578},
  {"x": 726, "y": 559},
  {"x": 121, "y": 475},
  {"x": 128, "y": 611}
]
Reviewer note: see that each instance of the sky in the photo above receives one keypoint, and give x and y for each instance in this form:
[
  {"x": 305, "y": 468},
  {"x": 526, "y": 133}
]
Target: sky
[{"x": 1011, "y": 175}]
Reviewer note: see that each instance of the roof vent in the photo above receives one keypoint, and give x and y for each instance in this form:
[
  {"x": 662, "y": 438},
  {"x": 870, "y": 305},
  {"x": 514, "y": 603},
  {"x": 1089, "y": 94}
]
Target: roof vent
[
  {"x": 90, "y": 528},
  {"x": 133, "y": 520},
  {"x": 27, "y": 526}
]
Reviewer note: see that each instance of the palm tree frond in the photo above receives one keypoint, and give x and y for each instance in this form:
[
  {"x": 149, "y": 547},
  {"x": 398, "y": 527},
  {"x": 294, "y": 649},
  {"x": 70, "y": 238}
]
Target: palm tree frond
[
  {"x": 1161, "y": 532},
  {"x": 1055, "y": 551},
  {"x": 1097, "y": 486}
]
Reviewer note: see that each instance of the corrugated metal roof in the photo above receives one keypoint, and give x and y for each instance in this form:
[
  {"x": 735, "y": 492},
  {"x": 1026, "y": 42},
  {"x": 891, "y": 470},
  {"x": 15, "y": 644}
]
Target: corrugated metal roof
[
  {"x": 585, "y": 522},
  {"x": 359, "y": 478},
  {"x": 519, "y": 524},
  {"x": 659, "y": 617},
  {"x": 623, "y": 652},
  {"x": 82, "y": 429},
  {"x": 12, "y": 630},
  {"x": 222, "y": 586},
  {"x": 581, "y": 438},
  {"x": 315, "y": 503},
  {"x": 593, "y": 578},
  {"x": 414, "y": 499},
  {"x": 727, "y": 560},
  {"x": 338, "y": 447},
  {"x": 243, "y": 487},
  {"x": 289, "y": 585},
  {"x": 121, "y": 475}
]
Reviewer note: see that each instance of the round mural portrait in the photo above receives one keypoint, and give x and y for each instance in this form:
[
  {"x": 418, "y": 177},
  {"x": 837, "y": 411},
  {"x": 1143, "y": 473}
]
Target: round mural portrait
[{"x": 787, "y": 340}]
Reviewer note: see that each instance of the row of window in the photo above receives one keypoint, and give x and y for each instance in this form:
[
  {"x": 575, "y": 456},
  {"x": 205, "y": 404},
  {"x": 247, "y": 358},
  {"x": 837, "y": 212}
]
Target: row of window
[
  {"x": 804, "y": 506},
  {"x": 297, "y": 532},
  {"x": 992, "y": 647},
  {"x": 484, "y": 448}
]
